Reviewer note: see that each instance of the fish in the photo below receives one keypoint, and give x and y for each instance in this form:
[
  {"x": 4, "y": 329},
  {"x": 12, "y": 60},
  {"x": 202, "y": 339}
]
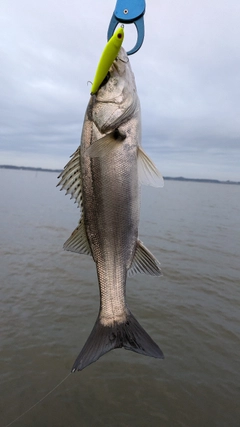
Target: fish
[{"x": 104, "y": 177}]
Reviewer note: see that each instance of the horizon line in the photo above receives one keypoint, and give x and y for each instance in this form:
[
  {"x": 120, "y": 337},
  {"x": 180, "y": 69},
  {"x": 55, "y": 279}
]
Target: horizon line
[{"x": 178, "y": 178}]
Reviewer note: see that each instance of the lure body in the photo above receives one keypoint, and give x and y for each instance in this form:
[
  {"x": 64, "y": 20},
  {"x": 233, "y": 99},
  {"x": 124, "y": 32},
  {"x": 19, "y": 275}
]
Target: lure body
[{"x": 109, "y": 54}]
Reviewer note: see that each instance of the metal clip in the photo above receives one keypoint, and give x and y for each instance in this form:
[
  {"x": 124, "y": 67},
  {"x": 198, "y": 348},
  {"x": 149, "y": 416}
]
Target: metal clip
[{"x": 124, "y": 14}]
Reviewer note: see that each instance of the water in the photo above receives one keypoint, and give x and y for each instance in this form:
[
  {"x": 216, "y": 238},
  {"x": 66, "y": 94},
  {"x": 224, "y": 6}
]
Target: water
[{"x": 49, "y": 302}]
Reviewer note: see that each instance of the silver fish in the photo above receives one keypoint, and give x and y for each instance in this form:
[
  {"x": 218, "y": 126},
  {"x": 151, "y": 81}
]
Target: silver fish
[{"x": 104, "y": 177}]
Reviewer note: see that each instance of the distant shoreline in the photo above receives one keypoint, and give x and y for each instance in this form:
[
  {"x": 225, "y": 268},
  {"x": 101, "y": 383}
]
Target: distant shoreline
[{"x": 167, "y": 178}]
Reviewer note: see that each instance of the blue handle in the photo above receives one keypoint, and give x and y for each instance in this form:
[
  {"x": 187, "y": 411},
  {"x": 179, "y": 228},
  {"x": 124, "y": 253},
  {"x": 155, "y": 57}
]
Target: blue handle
[{"x": 128, "y": 12}]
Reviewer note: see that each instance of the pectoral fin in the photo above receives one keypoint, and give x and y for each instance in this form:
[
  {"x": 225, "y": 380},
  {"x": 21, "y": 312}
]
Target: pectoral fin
[
  {"x": 105, "y": 145},
  {"x": 78, "y": 241},
  {"x": 144, "y": 262},
  {"x": 147, "y": 171}
]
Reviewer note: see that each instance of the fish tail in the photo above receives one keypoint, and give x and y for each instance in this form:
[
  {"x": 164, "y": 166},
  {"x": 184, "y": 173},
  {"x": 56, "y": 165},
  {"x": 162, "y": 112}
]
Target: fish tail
[{"x": 103, "y": 339}]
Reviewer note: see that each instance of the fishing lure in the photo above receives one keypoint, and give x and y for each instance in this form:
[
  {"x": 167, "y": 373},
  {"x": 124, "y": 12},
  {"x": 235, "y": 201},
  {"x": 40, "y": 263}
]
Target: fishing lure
[{"x": 109, "y": 54}]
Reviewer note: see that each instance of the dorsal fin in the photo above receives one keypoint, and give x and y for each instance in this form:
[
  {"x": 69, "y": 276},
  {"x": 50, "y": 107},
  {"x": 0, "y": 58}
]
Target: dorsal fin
[{"x": 70, "y": 177}]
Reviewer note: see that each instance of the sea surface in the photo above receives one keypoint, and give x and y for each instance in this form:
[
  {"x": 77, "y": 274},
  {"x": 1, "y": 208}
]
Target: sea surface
[{"x": 49, "y": 302}]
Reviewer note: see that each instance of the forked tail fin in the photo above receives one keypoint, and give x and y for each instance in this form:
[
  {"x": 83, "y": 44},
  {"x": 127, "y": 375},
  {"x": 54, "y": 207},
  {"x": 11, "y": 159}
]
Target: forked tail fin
[{"x": 102, "y": 339}]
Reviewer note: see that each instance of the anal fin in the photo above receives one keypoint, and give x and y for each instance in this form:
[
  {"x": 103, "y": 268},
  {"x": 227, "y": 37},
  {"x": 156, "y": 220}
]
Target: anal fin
[
  {"x": 78, "y": 241},
  {"x": 144, "y": 262}
]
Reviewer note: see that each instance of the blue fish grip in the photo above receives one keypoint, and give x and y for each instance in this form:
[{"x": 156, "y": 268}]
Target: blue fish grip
[{"x": 129, "y": 12}]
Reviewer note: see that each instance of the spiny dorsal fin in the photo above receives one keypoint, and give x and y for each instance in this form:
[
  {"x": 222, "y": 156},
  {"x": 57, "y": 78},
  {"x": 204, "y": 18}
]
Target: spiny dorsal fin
[
  {"x": 105, "y": 145},
  {"x": 147, "y": 172},
  {"x": 78, "y": 241},
  {"x": 144, "y": 262},
  {"x": 71, "y": 180}
]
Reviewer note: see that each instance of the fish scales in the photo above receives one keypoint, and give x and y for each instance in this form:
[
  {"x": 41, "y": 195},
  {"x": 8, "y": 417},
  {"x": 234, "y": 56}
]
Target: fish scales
[{"x": 111, "y": 212}]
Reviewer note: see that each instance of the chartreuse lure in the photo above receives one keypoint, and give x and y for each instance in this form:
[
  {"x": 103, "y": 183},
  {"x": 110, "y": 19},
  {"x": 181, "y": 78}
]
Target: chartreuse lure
[{"x": 108, "y": 56}]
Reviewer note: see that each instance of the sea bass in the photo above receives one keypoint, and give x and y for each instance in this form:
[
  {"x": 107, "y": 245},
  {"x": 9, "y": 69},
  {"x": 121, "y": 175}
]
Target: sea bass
[{"x": 104, "y": 177}]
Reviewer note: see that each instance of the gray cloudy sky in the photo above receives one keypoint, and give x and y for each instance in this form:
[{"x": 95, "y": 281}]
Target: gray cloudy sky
[{"x": 187, "y": 73}]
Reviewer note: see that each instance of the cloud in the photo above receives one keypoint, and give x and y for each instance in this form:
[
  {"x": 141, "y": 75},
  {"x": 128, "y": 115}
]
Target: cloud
[{"x": 187, "y": 74}]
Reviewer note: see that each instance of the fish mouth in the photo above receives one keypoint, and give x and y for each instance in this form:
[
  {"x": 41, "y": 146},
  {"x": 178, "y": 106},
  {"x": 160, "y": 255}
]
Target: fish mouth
[
  {"x": 119, "y": 64},
  {"x": 115, "y": 67},
  {"x": 113, "y": 84},
  {"x": 104, "y": 82},
  {"x": 122, "y": 56}
]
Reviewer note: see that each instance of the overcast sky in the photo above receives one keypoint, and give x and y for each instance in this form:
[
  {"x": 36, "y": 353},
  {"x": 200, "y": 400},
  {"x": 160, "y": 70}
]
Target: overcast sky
[{"x": 187, "y": 74}]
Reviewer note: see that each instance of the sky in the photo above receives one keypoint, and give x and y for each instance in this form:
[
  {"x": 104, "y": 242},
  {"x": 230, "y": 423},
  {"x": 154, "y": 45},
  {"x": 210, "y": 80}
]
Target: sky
[{"x": 187, "y": 74}]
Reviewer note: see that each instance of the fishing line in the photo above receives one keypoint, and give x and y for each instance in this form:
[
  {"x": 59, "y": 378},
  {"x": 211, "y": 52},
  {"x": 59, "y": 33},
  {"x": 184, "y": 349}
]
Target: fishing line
[{"x": 39, "y": 401}]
